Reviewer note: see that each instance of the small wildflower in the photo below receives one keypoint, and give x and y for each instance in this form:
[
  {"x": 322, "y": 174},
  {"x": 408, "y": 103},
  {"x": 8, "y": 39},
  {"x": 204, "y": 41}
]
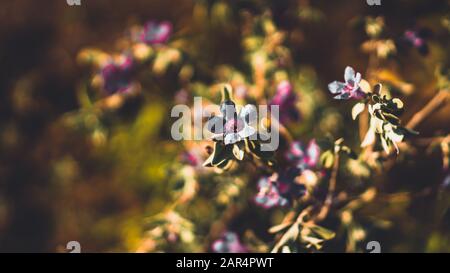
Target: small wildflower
[
  {"x": 280, "y": 189},
  {"x": 417, "y": 40},
  {"x": 288, "y": 185},
  {"x": 117, "y": 75},
  {"x": 156, "y": 33},
  {"x": 230, "y": 126},
  {"x": 191, "y": 158},
  {"x": 233, "y": 134},
  {"x": 228, "y": 243},
  {"x": 304, "y": 159},
  {"x": 349, "y": 89},
  {"x": 286, "y": 99},
  {"x": 268, "y": 194}
]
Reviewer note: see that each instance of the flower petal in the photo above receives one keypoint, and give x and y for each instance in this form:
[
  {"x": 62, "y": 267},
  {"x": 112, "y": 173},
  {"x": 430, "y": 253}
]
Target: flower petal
[
  {"x": 228, "y": 109},
  {"x": 357, "y": 109},
  {"x": 365, "y": 86},
  {"x": 336, "y": 87},
  {"x": 357, "y": 78},
  {"x": 349, "y": 75},
  {"x": 238, "y": 152},
  {"x": 247, "y": 131},
  {"x": 313, "y": 152},
  {"x": 231, "y": 138},
  {"x": 343, "y": 96},
  {"x": 369, "y": 139}
]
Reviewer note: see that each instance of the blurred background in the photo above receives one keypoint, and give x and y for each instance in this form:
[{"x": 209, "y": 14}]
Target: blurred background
[{"x": 58, "y": 184}]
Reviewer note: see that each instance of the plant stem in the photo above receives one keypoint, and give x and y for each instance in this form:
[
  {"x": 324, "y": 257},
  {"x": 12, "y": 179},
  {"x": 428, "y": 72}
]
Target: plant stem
[
  {"x": 331, "y": 189},
  {"x": 285, "y": 236},
  {"x": 284, "y": 132},
  {"x": 435, "y": 103}
]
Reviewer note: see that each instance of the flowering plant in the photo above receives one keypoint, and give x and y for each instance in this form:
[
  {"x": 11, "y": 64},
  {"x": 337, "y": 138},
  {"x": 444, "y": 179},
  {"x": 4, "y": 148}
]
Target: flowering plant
[{"x": 330, "y": 184}]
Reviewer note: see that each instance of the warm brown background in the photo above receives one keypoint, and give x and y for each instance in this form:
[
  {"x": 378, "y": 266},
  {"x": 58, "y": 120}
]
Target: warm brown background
[{"x": 39, "y": 41}]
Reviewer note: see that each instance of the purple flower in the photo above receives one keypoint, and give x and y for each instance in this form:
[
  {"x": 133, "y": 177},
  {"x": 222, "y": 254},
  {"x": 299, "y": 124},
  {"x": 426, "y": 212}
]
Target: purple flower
[
  {"x": 181, "y": 96},
  {"x": 286, "y": 99},
  {"x": 156, "y": 33},
  {"x": 191, "y": 158},
  {"x": 349, "y": 89},
  {"x": 117, "y": 75},
  {"x": 288, "y": 186},
  {"x": 305, "y": 159},
  {"x": 228, "y": 243},
  {"x": 416, "y": 39},
  {"x": 268, "y": 194},
  {"x": 282, "y": 190},
  {"x": 232, "y": 127}
]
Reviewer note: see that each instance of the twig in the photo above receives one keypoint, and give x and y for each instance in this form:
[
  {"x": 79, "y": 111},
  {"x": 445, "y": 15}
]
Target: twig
[
  {"x": 433, "y": 105},
  {"x": 285, "y": 133},
  {"x": 297, "y": 222},
  {"x": 331, "y": 188},
  {"x": 437, "y": 101}
]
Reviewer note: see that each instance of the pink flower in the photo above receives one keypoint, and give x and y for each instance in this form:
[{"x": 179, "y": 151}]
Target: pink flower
[
  {"x": 349, "y": 89},
  {"x": 416, "y": 39},
  {"x": 286, "y": 99},
  {"x": 228, "y": 243},
  {"x": 156, "y": 33},
  {"x": 117, "y": 75},
  {"x": 302, "y": 158},
  {"x": 269, "y": 195}
]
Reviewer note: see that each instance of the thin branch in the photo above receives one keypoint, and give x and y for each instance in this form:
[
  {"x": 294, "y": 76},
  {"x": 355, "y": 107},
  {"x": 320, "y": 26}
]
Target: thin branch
[
  {"x": 331, "y": 189},
  {"x": 286, "y": 235},
  {"x": 434, "y": 104}
]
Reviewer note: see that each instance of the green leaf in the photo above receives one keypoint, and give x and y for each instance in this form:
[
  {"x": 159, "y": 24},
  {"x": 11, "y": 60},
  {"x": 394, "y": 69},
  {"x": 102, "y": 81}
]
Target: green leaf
[
  {"x": 327, "y": 159},
  {"x": 391, "y": 118},
  {"x": 358, "y": 109},
  {"x": 220, "y": 156},
  {"x": 385, "y": 144},
  {"x": 255, "y": 147},
  {"x": 227, "y": 93},
  {"x": 226, "y": 164},
  {"x": 238, "y": 152},
  {"x": 349, "y": 152},
  {"x": 369, "y": 139},
  {"x": 219, "y": 153},
  {"x": 324, "y": 233},
  {"x": 408, "y": 132},
  {"x": 325, "y": 143},
  {"x": 208, "y": 161}
]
